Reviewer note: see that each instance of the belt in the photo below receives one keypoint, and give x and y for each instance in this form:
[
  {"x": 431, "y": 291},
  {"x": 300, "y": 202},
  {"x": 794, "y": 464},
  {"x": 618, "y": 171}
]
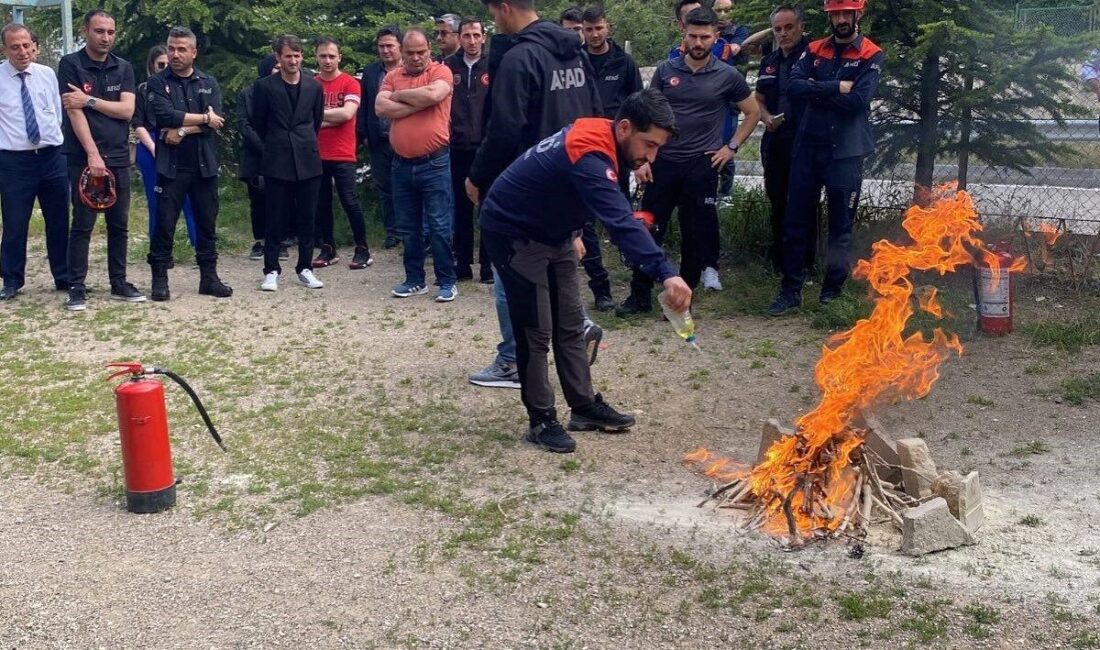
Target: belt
[
  {"x": 32, "y": 152},
  {"x": 423, "y": 159}
]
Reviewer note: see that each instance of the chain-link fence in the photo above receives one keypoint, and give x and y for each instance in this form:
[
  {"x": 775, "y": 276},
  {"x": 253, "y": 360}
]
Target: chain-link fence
[{"x": 1068, "y": 20}]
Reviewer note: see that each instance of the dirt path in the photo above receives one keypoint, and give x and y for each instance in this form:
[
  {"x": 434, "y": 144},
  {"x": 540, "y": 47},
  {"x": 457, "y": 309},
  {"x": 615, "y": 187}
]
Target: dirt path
[{"x": 373, "y": 499}]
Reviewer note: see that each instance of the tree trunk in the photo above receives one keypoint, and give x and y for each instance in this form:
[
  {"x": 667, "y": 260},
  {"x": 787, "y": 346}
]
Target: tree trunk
[
  {"x": 966, "y": 126},
  {"x": 927, "y": 128}
]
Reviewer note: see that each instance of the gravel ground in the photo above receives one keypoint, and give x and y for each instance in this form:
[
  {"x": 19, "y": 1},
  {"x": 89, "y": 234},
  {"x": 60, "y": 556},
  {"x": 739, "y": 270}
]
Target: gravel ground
[{"x": 637, "y": 566}]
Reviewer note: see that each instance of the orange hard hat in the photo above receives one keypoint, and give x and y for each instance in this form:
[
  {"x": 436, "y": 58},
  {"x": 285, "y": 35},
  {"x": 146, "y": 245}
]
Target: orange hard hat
[
  {"x": 844, "y": 5},
  {"x": 97, "y": 192}
]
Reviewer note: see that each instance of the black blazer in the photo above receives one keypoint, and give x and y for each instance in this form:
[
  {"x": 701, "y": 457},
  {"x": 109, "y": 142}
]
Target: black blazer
[
  {"x": 289, "y": 136},
  {"x": 252, "y": 145},
  {"x": 367, "y": 125}
]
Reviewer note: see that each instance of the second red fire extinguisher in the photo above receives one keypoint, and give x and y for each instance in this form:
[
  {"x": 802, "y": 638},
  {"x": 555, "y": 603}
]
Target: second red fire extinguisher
[
  {"x": 995, "y": 291},
  {"x": 143, "y": 430}
]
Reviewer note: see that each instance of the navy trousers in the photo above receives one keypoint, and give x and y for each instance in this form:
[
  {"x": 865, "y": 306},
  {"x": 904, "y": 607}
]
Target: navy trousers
[{"x": 24, "y": 177}]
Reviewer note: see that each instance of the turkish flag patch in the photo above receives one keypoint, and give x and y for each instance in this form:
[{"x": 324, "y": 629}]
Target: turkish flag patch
[
  {"x": 675, "y": 81},
  {"x": 87, "y": 87},
  {"x": 485, "y": 79},
  {"x": 611, "y": 175}
]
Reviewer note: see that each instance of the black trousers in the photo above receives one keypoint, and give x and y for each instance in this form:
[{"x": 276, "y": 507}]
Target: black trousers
[
  {"x": 80, "y": 233},
  {"x": 691, "y": 187},
  {"x": 461, "y": 161},
  {"x": 171, "y": 193},
  {"x": 381, "y": 173},
  {"x": 545, "y": 308},
  {"x": 25, "y": 176},
  {"x": 812, "y": 168},
  {"x": 341, "y": 176},
  {"x": 293, "y": 203},
  {"x": 775, "y": 156},
  {"x": 257, "y": 206}
]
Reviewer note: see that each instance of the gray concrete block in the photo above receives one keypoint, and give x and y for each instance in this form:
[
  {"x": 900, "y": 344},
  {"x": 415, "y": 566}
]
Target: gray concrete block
[
  {"x": 930, "y": 527},
  {"x": 918, "y": 469}
]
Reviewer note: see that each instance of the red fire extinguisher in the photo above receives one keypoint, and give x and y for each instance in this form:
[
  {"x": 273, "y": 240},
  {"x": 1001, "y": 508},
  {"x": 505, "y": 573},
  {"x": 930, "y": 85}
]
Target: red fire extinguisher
[
  {"x": 143, "y": 428},
  {"x": 996, "y": 294}
]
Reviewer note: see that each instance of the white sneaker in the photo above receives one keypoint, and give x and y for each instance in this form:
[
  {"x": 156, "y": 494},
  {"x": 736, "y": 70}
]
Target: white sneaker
[
  {"x": 307, "y": 279},
  {"x": 271, "y": 282},
  {"x": 710, "y": 279}
]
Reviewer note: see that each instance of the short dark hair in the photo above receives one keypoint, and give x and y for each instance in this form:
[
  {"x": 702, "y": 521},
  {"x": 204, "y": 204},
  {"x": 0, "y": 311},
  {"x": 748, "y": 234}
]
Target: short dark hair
[
  {"x": 526, "y": 5},
  {"x": 680, "y": 4},
  {"x": 646, "y": 109},
  {"x": 702, "y": 16},
  {"x": 12, "y": 28},
  {"x": 471, "y": 21},
  {"x": 96, "y": 12},
  {"x": 155, "y": 53},
  {"x": 593, "y": 14},
  {"x": 182, "y": 32},
  {"x": 324, "y": 40},
  {"x": 572, "y": 14},
  {"x": 388, "y": 30},
  {"x": 796, "y": 10},
  {"x": 286, "y": 40}
]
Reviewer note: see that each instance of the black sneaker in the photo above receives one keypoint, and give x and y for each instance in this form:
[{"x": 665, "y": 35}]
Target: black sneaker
[
  {"x": 828, "y": 295},
  {"x": 463, "y": 273},
  {"x": 391, "y": 242},
  {"x": 634, "y": 305},
  {"x": 784, "y": 302},
  {"x": 361, "y": 259},
  {"x": 550, "y": 435},
  {"x": 78, "y": 299},
  {"x": 593, "y": 334},
  {"x": 257, "y": 252},
  {"x": 605, "y": 303},
  {"x": 284, "y": 252},
  {"x": 126, "y": 292},
  {"x": 599, "y": 416},
  {"x": 327, "y": 257}
]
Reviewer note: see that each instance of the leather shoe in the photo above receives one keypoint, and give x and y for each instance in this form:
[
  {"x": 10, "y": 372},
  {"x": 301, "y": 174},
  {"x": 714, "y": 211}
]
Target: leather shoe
[{"x": 8, "y": 293}]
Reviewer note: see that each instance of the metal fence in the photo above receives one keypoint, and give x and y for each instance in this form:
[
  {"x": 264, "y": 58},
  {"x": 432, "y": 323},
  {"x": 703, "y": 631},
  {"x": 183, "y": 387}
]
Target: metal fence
[{"x": 1067, "y": 20}]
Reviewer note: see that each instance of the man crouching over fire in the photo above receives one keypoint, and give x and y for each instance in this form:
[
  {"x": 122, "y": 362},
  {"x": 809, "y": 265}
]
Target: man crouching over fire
[{"x": 529, "y": 220}]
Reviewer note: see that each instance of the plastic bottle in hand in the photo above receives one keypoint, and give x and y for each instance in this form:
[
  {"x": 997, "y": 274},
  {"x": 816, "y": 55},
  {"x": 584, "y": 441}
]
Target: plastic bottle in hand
[{"x": 681, "y": 322}]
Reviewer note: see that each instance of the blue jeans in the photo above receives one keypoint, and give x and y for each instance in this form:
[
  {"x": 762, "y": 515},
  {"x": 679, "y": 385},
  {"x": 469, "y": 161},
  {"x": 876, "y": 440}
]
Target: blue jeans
[
  {"x": 506, "y": 349},
  {"x": 422, "y": 195},
  {"x": 147, "y": 165},
  {"x": 25, "y": 176}
]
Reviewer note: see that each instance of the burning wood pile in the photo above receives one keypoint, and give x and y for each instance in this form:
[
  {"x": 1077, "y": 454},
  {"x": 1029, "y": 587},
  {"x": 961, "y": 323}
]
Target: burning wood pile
[{"x": 837, "y": 472}]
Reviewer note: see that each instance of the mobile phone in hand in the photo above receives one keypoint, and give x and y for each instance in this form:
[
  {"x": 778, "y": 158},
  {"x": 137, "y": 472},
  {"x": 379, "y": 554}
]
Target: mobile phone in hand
[{"x": 777, "y": 120}]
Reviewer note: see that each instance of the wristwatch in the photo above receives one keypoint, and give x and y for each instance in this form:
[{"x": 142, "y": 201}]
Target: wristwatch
[
  {"x": 181, "y": 132},
  {"x": 733, "y": 147},
  {"x": 90, "y": 103}
]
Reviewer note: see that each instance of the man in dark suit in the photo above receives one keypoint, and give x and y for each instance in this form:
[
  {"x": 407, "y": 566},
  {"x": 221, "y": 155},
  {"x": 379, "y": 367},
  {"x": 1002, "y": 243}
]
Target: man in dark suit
[
  {"x": 374, "y": 132},
  {"x": 288, "y": 109}
]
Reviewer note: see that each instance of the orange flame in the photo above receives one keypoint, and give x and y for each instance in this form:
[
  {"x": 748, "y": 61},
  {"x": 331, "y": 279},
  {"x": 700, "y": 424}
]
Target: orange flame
[
  {"x": 716, "y": 467},
  {"x": 1051, "y": 234},
  {"x": 808, "y": 476}
]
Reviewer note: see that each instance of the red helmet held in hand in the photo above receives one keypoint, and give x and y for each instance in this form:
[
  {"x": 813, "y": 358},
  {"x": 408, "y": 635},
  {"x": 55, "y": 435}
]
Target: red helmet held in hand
[
  {"x": 99, "y": 193},
  {"x": 844, "y": 5},
  {"x": 647, "y": 218}
]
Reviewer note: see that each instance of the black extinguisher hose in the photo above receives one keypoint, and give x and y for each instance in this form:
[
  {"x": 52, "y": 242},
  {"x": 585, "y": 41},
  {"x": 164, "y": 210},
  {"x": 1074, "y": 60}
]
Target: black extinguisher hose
[{"x": 194, "y": 398}]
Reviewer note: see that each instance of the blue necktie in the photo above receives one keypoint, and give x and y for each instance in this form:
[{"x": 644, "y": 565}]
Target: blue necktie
[{"x": 28, "y": 111}]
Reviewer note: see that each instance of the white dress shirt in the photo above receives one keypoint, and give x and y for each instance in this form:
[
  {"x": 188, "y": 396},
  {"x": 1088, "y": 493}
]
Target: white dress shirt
[{"x": 42, "y": 85}]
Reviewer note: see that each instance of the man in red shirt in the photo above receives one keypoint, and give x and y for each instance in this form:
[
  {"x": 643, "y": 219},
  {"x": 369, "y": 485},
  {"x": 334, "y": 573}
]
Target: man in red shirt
[
  {"x": 337, "y": 144},
  {"x": 416, "y": 96}
]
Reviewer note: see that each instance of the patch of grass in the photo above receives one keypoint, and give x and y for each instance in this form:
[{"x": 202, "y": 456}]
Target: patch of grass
[
  {"x": 982, "y": 614},
  {"x": 1085, "y": 640},
  {"x": 1034, "y": 447},
  {"x": 857, "y": 606},
  {"x": 978, "y": 400},
  {"x": 1070, "y": 337},
  {"x": 1031, "y": 521},
  {"x": 1076, "y": 390}
]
